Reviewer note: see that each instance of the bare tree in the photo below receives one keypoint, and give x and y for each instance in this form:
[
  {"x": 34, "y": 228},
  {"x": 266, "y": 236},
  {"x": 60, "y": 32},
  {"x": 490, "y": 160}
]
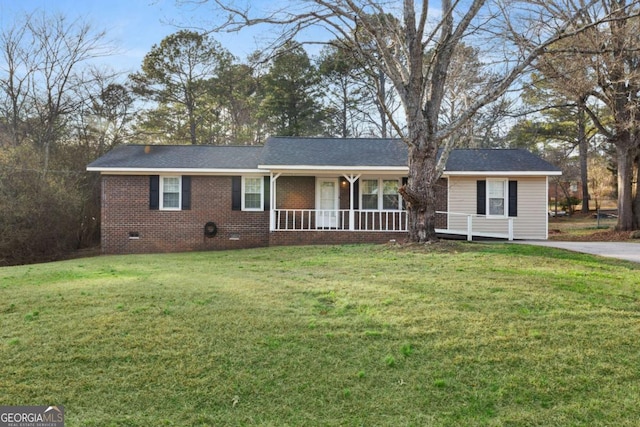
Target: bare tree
[
  {"x": 601, "y": 64},
  {"x": 356, "y": 93},
  {"x": 559, "y": 93},
  {"x": 58, "y": 48},
  {"x": 416, "y": 57},
  {"x": 377, "y": 89},
  {"x": 466, "y": 78},
  {"x": 104, "y": 118},
  {"x": 600, "y": 180},
  {"x": 612, "y": 54},
  {"x": 45, "y": 87},
  {"x": 16, "y": 68}
]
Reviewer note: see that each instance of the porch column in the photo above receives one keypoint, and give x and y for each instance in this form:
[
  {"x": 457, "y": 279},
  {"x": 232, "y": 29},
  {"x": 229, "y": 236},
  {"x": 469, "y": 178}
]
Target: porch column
[
  {"x": 352, "y": 179},
  {"x": 272, "y": 203}
]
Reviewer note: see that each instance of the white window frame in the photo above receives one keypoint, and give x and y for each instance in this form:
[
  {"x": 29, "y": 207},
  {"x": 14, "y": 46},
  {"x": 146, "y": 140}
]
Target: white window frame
[
  {"x": 171, "y": 208},
  {"x": 505, "y": 198},
  {"x": 362, "y": 194},
  {"x": 397, "y": 194},
  {"x": 261, "y": 181},
  {"x": 381, "y": 194}
]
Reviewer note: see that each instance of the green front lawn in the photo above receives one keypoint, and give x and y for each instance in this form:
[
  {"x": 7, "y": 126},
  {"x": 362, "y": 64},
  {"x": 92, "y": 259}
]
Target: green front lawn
[{"x": 456, "y": 334}]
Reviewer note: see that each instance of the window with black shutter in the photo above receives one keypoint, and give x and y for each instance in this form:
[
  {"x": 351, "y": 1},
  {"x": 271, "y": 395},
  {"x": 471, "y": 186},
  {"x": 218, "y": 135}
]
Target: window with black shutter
[
  {"x": 169, "y": 192},
  {"x": 236, "y": 193},
  {"x": 513, "y": 198},
  {"x": 267, "y": 193},
  {"x": 481, "y": 190},
  {"x": 154, "y": 192},
  {"x": 186, "y": 193},
  {"x": 495, "y": 195}
]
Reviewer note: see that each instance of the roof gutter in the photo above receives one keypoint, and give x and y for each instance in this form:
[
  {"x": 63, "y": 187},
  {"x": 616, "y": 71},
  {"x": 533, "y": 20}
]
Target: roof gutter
[
  {"x": 264, "y": 169},
  {"x": 502, "y": 173},
  {"x": 336, "y": 168},
  {"x": 189, "y": 171}
]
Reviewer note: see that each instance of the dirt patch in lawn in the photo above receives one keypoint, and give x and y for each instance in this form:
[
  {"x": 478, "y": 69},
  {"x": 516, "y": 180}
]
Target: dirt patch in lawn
[
  {"x": 609, "y": 235},
  {"x": 586, "y": 228}
]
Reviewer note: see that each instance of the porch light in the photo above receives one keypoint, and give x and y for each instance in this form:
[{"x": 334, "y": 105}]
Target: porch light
[{"x": 343, "y": 182}]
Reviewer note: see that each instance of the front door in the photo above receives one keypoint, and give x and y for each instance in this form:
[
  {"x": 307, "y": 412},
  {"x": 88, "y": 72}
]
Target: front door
[{"x": 327, "y": 203}]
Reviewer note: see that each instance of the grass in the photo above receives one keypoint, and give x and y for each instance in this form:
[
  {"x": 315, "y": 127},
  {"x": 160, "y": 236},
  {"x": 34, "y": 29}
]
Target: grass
[
  {"x": 457, "y": 334},
  {"x": 584, "y": 227}
]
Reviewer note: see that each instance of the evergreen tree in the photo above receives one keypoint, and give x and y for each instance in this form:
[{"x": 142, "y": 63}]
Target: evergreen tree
[{"x": 291, "y": 104}]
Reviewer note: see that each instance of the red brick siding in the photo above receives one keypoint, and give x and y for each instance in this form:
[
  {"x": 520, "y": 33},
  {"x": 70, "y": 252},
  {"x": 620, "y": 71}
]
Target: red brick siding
[
  {"x": 285, "y": 238},
  {"x": 296, "y": 192},
  {"x": 345, "y": 194},
  {"x": 299, "y": 192},
  {"x": 125, "y": 209}
]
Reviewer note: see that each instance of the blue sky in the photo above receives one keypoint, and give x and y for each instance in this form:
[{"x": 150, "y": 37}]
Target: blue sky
[{"x": 133, "y": 26}]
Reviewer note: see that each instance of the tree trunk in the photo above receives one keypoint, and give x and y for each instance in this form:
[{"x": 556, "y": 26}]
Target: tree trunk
[
  {"x": 583, "y": 148},
  {"x": 636, "y": 199},
  {"x": 192, "y": 129},
  {"x": 46, "y": 156},
  {"x": 382, "y": 96},
  {"x": 345, "y": 110},
  {"x": 625, "y": 157},
  {"x": 420, "y": 195}
]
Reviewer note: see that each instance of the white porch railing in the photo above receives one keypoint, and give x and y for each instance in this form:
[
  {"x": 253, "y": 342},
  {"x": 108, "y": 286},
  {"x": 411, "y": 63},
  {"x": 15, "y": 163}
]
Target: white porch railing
[
  {"x": 470, "y": 225},
  {"x": 462, "y": 224},
  {"x": 339, "y": 220}
]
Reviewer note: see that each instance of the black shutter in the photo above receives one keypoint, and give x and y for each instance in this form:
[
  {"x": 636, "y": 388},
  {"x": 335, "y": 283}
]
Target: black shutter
[
  {"x": 481, "y": 205},
  {"x": 236, "y": 193},
  {"x": 154, "y": 192},
  {"x": 513, "y": 198},
  {"x": 267, "y": 193},
  {"x": 356, "y": 194},
  {"x": 186, "y": 193}
]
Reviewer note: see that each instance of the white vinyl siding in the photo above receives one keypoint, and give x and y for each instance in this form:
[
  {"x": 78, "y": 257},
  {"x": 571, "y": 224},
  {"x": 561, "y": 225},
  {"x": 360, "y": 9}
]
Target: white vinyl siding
[{"x": 531, "y": 222}]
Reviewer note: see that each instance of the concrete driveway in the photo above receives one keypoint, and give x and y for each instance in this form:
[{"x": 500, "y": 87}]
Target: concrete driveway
[{"x": 629, "y": 251}]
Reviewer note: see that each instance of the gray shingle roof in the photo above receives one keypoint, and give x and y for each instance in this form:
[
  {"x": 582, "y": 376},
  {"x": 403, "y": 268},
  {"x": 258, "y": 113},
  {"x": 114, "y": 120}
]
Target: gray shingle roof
[
  {"x": 285, "y": 151},
  {"x": 313, "y": 152},
  {"x": 180, "y": 157},
  {"x": 497, "y": 160},
  {"x": 353, "y": 152}
]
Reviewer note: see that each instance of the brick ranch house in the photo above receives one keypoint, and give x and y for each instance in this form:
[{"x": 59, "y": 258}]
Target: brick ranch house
[{"x": 160, "y": 198}]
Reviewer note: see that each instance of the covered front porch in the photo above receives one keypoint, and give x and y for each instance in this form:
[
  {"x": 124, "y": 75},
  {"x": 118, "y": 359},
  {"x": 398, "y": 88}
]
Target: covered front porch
[{"x": 364, "y": 203}]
